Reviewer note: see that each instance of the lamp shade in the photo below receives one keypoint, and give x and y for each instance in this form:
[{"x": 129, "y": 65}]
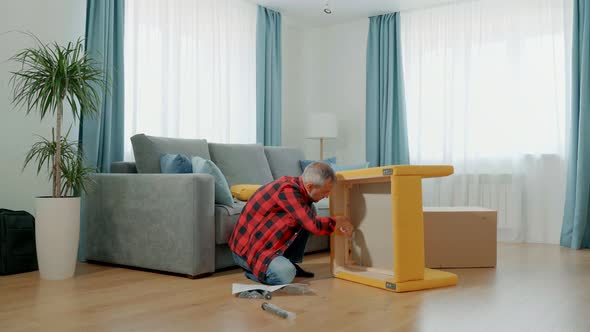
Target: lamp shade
[{"x": 322, "y": 125}]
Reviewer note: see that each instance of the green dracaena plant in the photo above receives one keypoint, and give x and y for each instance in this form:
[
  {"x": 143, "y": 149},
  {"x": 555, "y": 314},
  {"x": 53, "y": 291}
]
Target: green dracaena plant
[{"x": 50, "y": 76}]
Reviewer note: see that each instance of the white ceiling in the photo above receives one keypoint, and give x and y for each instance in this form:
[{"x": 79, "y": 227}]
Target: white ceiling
[{"x": 311, "y": 12}]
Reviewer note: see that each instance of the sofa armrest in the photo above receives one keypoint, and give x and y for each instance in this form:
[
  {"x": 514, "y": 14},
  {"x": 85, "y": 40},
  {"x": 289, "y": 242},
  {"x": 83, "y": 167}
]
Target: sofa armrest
[{"x": 157, "y": 221}]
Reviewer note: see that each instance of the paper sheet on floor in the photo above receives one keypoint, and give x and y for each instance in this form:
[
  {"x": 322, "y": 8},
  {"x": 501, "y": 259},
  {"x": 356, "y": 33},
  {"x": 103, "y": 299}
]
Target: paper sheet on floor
[{"x": 238, "y": 288}]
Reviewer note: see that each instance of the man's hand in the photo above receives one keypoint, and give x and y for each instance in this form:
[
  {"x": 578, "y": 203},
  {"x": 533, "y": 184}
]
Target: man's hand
[{"x": 343, "y": 226}]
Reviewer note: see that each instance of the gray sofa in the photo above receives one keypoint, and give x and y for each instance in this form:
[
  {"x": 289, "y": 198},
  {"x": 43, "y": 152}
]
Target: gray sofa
[{"x": 137, "y": 217}]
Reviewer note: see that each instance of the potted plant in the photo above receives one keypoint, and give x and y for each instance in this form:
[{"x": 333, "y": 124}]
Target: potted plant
[{"x": 51, "y": 78}]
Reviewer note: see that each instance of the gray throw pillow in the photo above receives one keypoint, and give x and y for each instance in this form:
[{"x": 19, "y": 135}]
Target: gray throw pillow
[
  {"x": 222, "y": 193},
  {"x": 283, "y": 161},
  {"x": 149, "y": 149},
  {"x": 241, "y": 163}
]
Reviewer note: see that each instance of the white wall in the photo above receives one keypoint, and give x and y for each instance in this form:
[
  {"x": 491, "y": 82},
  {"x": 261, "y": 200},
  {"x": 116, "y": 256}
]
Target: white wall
[
  {"x": 298, "y": 82},
  {"x": 324, "y": 70},
  {"x": 56, "y": 20}
]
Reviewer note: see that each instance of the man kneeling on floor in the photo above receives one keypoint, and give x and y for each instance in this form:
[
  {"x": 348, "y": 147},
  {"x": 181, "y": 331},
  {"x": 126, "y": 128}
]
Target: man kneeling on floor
[{"x": 273, "y": 228}]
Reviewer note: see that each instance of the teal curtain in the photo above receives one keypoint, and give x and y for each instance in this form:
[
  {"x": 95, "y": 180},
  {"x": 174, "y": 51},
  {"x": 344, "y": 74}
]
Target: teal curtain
[
  {"x": 268, "y": 77},
  {"x": 101, "y": 137},
  {"x": 386, "y": 128},
  {"x": 575, "y": 231}
]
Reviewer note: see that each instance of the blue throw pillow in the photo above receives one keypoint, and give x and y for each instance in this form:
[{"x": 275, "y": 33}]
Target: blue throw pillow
[
  {"x": 304, "y": 163},
  {"x": 175, "y": 163},
  {"x": 222, "y": 192},
  {"x": 339, "y": 168}
]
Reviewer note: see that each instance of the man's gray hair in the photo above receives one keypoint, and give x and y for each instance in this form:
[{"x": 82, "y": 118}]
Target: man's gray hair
[{"x": 318, "y": 173}]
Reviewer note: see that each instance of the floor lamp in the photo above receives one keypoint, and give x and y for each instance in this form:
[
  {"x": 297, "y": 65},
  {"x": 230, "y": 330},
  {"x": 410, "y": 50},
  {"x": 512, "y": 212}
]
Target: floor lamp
[{"x": 322, "y": 126}]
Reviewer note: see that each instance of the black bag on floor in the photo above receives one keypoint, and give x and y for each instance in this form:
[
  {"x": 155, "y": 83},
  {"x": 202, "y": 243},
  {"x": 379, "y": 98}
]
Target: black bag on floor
[{"x": 17, "y": 242}]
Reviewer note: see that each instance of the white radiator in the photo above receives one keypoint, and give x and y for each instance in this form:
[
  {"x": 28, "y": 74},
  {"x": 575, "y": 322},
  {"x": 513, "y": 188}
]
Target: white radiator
[{"x": 501, "y": 192}]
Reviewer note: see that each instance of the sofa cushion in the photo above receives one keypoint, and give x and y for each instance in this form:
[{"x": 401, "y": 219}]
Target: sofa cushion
[
  {"x": 317, "y": 243},
  {"x": 283, "y": 161},
  {"x": 222, "y": 192},
  {"x": 226, "y": 218},
  {"x": 148, "y": 150},
  {"x": 175, "y": 163},
  {"x": 123, "y": 167},
  {"x": 241, "y": 163}
]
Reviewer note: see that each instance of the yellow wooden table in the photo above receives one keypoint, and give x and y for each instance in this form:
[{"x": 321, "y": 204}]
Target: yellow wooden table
[{"x": 387, "y": 247}]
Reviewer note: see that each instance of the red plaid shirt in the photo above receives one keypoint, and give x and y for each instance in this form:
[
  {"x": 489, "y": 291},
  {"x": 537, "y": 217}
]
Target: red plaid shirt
[{"x": 271, "y": 220}]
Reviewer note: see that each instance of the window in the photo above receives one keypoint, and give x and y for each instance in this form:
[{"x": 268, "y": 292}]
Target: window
[
  {"x": 485, "y": 79},
  {"x": 486, "y": 91},
  {"x": 190, "y": 70}
]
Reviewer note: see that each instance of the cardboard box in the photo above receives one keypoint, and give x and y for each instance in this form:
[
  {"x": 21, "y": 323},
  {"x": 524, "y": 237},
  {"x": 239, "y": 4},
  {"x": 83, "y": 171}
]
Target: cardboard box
[{"x": 459, "y": 237}]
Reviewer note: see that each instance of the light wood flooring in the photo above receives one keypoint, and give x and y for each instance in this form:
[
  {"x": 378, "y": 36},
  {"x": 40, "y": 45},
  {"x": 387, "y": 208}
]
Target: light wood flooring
[{"x": 534, "y": 288}]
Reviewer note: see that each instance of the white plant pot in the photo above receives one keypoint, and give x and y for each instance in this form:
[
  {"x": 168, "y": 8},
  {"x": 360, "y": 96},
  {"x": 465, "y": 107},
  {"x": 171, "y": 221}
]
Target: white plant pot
[{"x": 57, "y": 233}]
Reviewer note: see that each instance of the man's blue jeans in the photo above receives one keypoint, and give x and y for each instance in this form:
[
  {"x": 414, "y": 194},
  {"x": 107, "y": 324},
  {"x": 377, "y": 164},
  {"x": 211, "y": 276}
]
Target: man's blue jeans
[{"x": 281, "y": 269}]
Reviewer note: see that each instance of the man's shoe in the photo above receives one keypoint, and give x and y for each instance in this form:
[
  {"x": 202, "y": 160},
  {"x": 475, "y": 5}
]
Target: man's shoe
[{"x": 302, "y": 273}]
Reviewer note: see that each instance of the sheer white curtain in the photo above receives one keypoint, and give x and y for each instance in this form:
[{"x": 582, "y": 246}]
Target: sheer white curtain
[
  {"x": 486, "y": 91},
  {"x": 190, "y": 70}
]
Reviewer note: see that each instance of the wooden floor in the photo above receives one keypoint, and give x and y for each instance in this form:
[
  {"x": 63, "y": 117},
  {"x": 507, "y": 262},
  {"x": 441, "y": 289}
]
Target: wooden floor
[{"x": 534, "y": 288}]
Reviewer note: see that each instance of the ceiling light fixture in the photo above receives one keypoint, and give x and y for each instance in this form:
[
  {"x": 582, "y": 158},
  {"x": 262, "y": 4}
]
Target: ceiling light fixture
[{"x": 327, "y": 9}]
